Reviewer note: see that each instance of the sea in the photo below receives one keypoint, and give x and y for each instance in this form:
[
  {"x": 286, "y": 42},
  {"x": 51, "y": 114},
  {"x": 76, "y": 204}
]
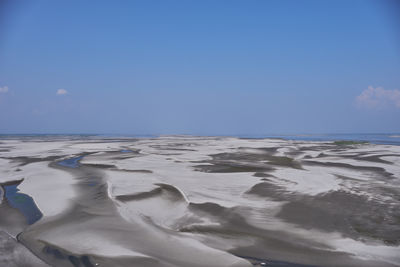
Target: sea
[
  {"x": 376, "y": 138},
  {"x": 373, "y": 138}
]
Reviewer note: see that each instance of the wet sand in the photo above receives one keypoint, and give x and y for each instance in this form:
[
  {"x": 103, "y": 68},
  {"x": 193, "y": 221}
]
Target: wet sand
[{"x": 199, "y": 201}]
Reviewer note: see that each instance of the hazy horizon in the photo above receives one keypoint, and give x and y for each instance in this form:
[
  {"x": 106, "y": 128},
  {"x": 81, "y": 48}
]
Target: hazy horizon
[{"x": 201, "y": 134}]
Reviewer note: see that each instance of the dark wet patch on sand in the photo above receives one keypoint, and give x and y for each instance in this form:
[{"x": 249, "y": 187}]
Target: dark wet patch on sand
[
  {"x": 272, "y": 263},
  {"x": 271, "y": 245},
  {"x": 170, "y": 191},
  {"x": 126, "y": 150},
  {"x": 316, "y": 148},
  {"x": 27, "y": 160},
  {"x": 98, "y": 165},
  {"x": 373, "y": 158},
  {"x": 361, "y": 219},
  {"x": 177, "y": 147},
  {"x": 14, "y": 254},
  {"x": 377, "y": 170},
  {"x": 139, "y": 196},
  {"x": 246, "y": 162},
  {"x": 64, "y": 257},
  {"x": 360, "y": 156},
  {"x": 133, "y": 171},
  {"x": 230, "y": 167},
  {"x": 262, "y": 175},
  {"x": 266, "y": 150},
  {"x": 266, "y": 189},
  {"x": 115, "y": 155},
  {"x": 257, "y": 157}
]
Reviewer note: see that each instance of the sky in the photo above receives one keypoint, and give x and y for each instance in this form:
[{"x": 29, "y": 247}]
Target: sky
[{"x": 206, "y": 67}]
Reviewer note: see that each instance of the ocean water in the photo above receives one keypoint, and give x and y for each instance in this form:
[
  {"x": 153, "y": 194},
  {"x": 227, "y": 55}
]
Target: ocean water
[
  {"x": 376, "y": 138},
  {"x": 387, "y": 139}
]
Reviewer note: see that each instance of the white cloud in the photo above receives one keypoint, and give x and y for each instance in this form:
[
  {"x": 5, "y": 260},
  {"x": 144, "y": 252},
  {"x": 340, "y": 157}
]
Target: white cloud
[
  {"x": 4, "y": 89},
  {"x": 61, "y": 92},
  {"x": 378, "y": 98}
]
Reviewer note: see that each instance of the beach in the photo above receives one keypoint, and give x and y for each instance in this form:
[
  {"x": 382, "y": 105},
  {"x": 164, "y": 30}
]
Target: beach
[{"x": 198, "y": 201}]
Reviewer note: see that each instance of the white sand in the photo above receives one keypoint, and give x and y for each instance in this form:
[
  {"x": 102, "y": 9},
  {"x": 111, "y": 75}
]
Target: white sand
[{"x": 148, "y": 227}]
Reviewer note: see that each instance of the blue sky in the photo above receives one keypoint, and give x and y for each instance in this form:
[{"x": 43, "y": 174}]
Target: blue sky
[{"x": 199, "y": 67}]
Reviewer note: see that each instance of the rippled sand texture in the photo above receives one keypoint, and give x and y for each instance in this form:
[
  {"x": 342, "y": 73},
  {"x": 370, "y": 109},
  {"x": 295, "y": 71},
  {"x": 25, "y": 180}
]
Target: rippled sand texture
[{"x": 191, "y": 201}]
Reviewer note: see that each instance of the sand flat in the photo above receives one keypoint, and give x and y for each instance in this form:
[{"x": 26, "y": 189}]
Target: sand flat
[{"x": 202, "y": 201}]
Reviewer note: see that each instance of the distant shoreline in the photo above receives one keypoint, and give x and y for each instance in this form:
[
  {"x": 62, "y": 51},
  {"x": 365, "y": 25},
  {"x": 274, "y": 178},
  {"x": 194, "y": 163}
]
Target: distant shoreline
[{"x": 378, "y": 138}]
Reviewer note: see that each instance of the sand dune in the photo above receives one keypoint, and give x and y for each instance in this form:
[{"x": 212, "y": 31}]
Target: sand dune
[{"x": 197, "y": 201}]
